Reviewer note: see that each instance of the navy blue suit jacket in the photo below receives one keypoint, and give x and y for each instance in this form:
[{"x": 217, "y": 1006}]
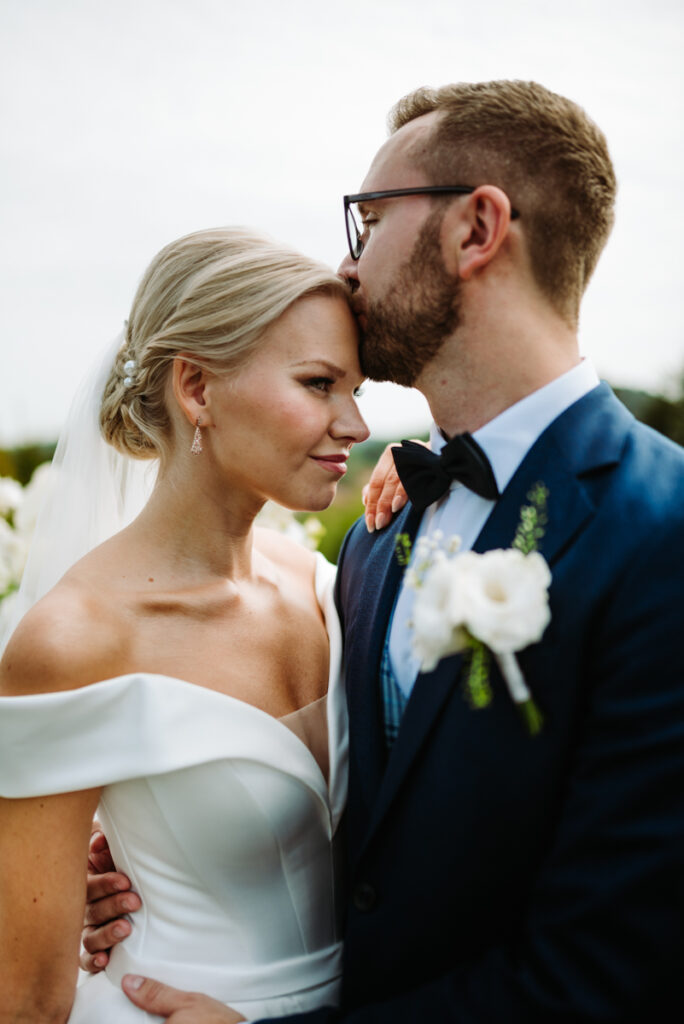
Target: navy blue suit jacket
[{"x": 499, "y": 877}]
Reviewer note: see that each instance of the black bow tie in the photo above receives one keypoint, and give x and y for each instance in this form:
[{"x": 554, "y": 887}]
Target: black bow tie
[{"x": 427, "y": 476}]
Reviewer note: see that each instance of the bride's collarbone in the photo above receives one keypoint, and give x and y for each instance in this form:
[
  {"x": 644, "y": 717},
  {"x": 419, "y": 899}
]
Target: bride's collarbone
[
  {"x": 222, "y": 603},
  {"x": 249, "y": 643}
]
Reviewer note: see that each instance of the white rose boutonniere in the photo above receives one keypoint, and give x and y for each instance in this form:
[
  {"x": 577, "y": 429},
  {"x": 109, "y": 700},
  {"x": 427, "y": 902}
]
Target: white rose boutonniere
[
  {"x": 505, "y": 597},
  {"x": 494, "y": 603}
]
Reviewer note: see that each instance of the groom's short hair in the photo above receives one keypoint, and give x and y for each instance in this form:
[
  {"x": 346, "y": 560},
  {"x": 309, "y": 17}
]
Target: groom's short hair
[{"x": 544, "y": 152}]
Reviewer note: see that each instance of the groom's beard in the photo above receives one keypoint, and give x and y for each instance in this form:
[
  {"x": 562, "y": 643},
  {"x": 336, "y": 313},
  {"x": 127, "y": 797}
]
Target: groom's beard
[{"x": 407, "y": 328}]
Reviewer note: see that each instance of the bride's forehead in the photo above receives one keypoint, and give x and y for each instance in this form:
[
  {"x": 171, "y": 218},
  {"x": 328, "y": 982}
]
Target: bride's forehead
[{"x": 326, "y": 329}]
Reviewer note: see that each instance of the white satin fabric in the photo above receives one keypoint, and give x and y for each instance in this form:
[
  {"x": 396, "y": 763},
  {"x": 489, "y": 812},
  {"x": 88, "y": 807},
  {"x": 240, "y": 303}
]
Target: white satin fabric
[{"x": 222, "y": 819}]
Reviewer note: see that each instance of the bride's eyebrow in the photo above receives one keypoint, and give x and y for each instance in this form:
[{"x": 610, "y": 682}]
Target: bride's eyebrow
[{"x": 331, "y": 368}]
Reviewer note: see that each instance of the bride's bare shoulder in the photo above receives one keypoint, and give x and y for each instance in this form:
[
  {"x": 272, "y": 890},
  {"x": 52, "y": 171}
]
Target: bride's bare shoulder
[
  {"x": 285, "y": 553},
  {"x": 70, "y": 638}
]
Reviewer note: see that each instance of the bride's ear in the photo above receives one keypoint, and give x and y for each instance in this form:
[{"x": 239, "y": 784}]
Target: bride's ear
[{"x": 189, "y": 387}]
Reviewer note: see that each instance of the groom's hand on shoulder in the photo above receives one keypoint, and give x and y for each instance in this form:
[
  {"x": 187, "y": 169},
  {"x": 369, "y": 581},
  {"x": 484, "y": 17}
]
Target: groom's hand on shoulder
[{"x": 109, "y": 897}]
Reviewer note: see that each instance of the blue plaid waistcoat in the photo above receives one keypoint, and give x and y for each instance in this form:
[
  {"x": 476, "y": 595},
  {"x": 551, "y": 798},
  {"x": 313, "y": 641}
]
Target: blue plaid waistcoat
[{"x": 394, "y": 700}]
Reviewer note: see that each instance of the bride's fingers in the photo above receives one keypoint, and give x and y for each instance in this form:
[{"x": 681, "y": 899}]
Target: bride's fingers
[
  {"x": 392, "y": 498},
  {"x": 380, "y": 490},
  {"x": 109, "y": 908}
]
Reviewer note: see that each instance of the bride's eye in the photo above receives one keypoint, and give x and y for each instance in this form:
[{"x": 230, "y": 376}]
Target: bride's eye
[
  {"x": 319, "y": 383},
  {"x": 359, "y": 391}
]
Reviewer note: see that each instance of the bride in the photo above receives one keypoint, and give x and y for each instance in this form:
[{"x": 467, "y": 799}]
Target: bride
[{"x": 184, "y": 675}]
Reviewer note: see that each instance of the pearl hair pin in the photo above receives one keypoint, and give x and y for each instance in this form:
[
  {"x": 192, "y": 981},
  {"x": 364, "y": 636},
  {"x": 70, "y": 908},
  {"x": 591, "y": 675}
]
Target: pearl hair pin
[{"x": 129, "y": 369}]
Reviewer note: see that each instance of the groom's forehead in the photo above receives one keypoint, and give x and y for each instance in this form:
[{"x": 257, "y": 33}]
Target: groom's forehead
[{"x": 396, "y": 163}]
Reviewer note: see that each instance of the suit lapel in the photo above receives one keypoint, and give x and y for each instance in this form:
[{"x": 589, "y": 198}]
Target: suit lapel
[
  {"x": 585, "y": 438},
  {"x": 381, "y": 579}
]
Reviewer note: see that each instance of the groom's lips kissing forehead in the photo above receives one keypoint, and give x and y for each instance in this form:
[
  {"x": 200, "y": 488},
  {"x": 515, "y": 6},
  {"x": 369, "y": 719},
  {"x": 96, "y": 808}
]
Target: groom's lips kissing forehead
[
  {"x": 336, "y": 464},
  {"x": 359, "y": 309}
]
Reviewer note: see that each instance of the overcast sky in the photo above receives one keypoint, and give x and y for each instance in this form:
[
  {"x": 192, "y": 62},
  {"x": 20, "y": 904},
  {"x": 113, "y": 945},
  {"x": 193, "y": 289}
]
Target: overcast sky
[{"x": 127, "y": 124}]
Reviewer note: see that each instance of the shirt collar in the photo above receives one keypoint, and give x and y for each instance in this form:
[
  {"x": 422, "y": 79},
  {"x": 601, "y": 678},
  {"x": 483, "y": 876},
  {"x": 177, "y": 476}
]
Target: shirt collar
[{"x": 509, "y": 436}]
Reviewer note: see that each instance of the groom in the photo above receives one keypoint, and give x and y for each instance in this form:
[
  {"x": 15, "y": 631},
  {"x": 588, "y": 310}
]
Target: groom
[{"x": 495, "y": 875}]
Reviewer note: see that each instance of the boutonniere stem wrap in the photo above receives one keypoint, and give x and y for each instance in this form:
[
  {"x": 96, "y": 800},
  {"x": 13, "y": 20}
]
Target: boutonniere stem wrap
[{"x": 518, "y": 689}]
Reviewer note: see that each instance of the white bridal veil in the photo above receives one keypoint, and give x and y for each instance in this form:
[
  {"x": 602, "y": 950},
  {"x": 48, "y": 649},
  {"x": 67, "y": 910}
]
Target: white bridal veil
[{"x": 93, "y": 492}]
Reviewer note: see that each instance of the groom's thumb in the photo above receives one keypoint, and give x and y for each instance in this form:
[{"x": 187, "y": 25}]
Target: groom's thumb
[{"x": 155, "y": 997}]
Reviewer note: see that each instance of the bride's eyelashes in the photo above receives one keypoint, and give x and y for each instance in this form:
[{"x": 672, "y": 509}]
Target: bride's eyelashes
[{"x": 324, "y": 384}]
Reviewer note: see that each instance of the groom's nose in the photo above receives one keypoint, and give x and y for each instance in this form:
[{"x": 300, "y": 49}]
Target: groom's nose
[{"x": 348, "y": 270}]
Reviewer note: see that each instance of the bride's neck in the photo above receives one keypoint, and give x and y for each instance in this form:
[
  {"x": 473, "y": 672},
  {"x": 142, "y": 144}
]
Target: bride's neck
[{"x": 197, "y": 530}]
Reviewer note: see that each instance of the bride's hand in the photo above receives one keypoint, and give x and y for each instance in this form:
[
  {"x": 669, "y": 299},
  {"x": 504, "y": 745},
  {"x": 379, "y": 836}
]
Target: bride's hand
[
  {"x": 177, "y": 1007},
  {"x": 383, "y": 495},
  {"x": 109, "y": 897}
]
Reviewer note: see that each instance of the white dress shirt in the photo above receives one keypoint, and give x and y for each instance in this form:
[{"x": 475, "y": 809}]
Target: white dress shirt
[{"x": 506, "y": 440}]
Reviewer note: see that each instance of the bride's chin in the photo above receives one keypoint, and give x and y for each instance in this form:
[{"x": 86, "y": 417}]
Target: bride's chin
[{"x": 314, "y": 502}]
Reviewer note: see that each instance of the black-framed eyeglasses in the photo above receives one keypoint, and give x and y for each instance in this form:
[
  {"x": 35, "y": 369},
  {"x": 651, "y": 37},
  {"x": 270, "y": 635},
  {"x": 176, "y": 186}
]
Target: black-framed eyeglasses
[{"x": 355, "y": 233}]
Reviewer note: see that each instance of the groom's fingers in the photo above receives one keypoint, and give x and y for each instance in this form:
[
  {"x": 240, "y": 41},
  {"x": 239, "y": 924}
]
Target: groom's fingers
[
  {"x": 108, "y": 884},
  {"x": 155, "y": 997},
  {"x": 98, "y": 942},
  {"x": 104, "y": 924},
  {"x": 107, "y": 909},
  {"x": 383, "y": 495},
  {"x": 175, "y": 1006},
  {"x": 93, "y": 963},
  {"x": 99, "y": 856}
]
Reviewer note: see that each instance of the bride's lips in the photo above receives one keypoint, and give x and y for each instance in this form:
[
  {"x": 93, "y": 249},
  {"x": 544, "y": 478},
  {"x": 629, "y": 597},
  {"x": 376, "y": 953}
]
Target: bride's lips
[{"x": 336, "y": 464}]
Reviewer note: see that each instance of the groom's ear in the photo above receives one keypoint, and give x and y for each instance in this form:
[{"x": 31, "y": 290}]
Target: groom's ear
[
  {"x": 189, "y": 382},
  {"x": 474, "y": 229}
]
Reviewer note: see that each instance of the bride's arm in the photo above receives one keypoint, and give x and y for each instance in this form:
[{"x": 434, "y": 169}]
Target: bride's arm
[
  {"x": 42, "y": 888},
  {"x": 42, "y": 894}
]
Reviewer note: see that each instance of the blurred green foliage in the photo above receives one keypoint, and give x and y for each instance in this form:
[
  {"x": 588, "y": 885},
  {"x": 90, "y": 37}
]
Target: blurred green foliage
[
  {"x": 20, "y": 462},
  {"x": 666, "y": 415},
  {"x": 663, "y": 414}
]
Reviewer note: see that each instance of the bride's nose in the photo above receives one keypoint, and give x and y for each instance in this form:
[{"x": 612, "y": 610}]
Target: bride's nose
[{"x": 350, "y": 424}]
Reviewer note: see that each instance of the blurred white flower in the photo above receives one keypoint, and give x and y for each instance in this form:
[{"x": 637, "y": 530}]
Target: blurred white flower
[
  {"x": 19, "y": 507},
  {"x": 11, "y": 495},
  {"x": 34, "y": 496},
  {"x": 283, "y": 520},
  {"x": 13, "y": 551}
]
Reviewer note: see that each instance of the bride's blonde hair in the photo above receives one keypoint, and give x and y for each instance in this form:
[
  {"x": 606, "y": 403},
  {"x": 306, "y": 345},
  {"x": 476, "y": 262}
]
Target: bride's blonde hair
[{"x": 209, "y": 295}]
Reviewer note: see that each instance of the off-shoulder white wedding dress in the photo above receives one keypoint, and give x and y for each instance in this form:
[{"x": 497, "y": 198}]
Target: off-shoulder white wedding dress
[{"x": 220, "y": 815}]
